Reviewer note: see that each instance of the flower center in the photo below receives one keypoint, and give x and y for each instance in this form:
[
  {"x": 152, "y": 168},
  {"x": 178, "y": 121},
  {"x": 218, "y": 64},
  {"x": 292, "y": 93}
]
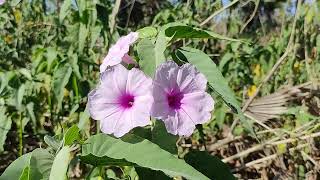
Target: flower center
[
  {"x": 126, "y": 101},
  {"x": 174, "y": 99}
]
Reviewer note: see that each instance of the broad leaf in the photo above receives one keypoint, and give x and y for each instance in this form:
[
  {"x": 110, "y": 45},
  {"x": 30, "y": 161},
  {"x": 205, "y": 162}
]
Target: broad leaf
[
  {"x": 162, "y": 138},
  {"x": 209, "y": 165},
  {"x": 139, "y": 151},
  {"x": 16, "y": 168},
  {"x": 60, "y": 164},
  {"x": 215, "y": 79},
  {"x": 33, "y": 165}
]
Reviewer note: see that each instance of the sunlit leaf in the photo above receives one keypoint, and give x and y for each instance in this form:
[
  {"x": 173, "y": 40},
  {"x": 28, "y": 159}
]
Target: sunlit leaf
[{"x": 139, "y": 151}]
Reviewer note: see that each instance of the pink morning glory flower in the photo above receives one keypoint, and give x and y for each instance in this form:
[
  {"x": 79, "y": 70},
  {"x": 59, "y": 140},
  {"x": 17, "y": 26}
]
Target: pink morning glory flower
[
  {"x": 122, "y": 100},
  {"x": 2, "y": 2},
  {"x": 119, "y": 51},
  {"x": 180, "y": 99}
]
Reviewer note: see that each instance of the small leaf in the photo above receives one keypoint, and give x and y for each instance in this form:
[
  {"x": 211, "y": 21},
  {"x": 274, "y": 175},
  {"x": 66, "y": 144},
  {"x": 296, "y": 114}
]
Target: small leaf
[
  {"x": 26, "y": 73},
  {"x": 5, "y": 126},
  {"x": 146, "y": 52},
  {"x": 60, "y": 164},
  {"x": 64, "y": 10},
  {"x": 60, "y": 79},
  {"x": 30, "y": 111},
  {"x": 19, "y": 97},
  {"x": 83, "y": 33},
  {"x": 71, "y": 135},
  {"x": 52, "y": 142},
  {"x": 147, "y": 32},
  {"x": 209, "y": 165},
  {"x": 51, "y": 55},
  {"x": 139, "y": 151}
]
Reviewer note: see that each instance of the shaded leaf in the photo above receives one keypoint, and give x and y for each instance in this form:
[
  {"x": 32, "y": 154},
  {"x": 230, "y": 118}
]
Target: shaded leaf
[
  {"x": 165, "y": 140},
  {"x": 209, "y": 165}
]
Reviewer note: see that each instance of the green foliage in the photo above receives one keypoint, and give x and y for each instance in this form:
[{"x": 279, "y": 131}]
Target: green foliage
[
  {"x": 60, "y": 164},
  {"x": 209, "y": 165},
  {"x": 215, "y": 79},
  {"x": 139, "y": 151}
]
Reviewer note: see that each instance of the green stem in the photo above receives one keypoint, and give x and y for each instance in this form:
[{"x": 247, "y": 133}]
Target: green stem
[
  {"x": 20, "y": 136},
  {"x": 75, "y": 88}
]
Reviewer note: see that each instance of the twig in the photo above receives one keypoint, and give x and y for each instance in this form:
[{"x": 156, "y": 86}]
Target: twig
[
  {"x": 315, "y": 163},
  {"x": 272, "y": 142},
  {"x": 270, "y": 157},
  {"x": 274, "y": 68},
  {"x": 252, "y": 15},
  {"x": 218, "y": 12},
  {"x": 130, "y": 11},
  {"x": 114, "y": 15}
]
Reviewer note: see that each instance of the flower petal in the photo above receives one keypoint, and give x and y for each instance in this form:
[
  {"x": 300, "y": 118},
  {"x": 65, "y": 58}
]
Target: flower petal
[
  {"x": 138, "y": 83},
  {"x": 166, "y": 75},
  {"x": 189, "y": 79},
  {"x": 115, "y": 79}
]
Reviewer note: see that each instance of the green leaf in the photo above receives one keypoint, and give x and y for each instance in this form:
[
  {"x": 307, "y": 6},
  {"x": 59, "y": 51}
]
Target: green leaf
[
  {"x": 147, "y": 174},
  {"x": 71, "y": 135},
  {"x": 51, "y": 55},
  {"x": 147, "y": 32},
  {"x": 52, "y": 142},
  {"x": 146, "y": 52},
  {"x": 33, "y": 165},
  {"x": 26, "y": 73},
  {"x": 215, "y": 79},
  {"x": 25, "y": 175},
  {"x": 16, "y": 168},
  {"x": 19, "y": 97},
  {"x": 60, "y": 164},
  {"x": 209, "y": 165},
  {"x": 40, "y": 164},
  {"x": 83, "y": 33},
  {"x": 60, "y": 79},
  {"x": 15, "y": 2},
  {"x": 64, "y": 10},
  {"x": 162, "y": 138},
  {"x": 139, "y": 151},
  {"x": 5, "y": 126},
  {"x": 184, "y": 31},
  {"x": 95, "y": 32},
  {"x": 31, "y": 114}
]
